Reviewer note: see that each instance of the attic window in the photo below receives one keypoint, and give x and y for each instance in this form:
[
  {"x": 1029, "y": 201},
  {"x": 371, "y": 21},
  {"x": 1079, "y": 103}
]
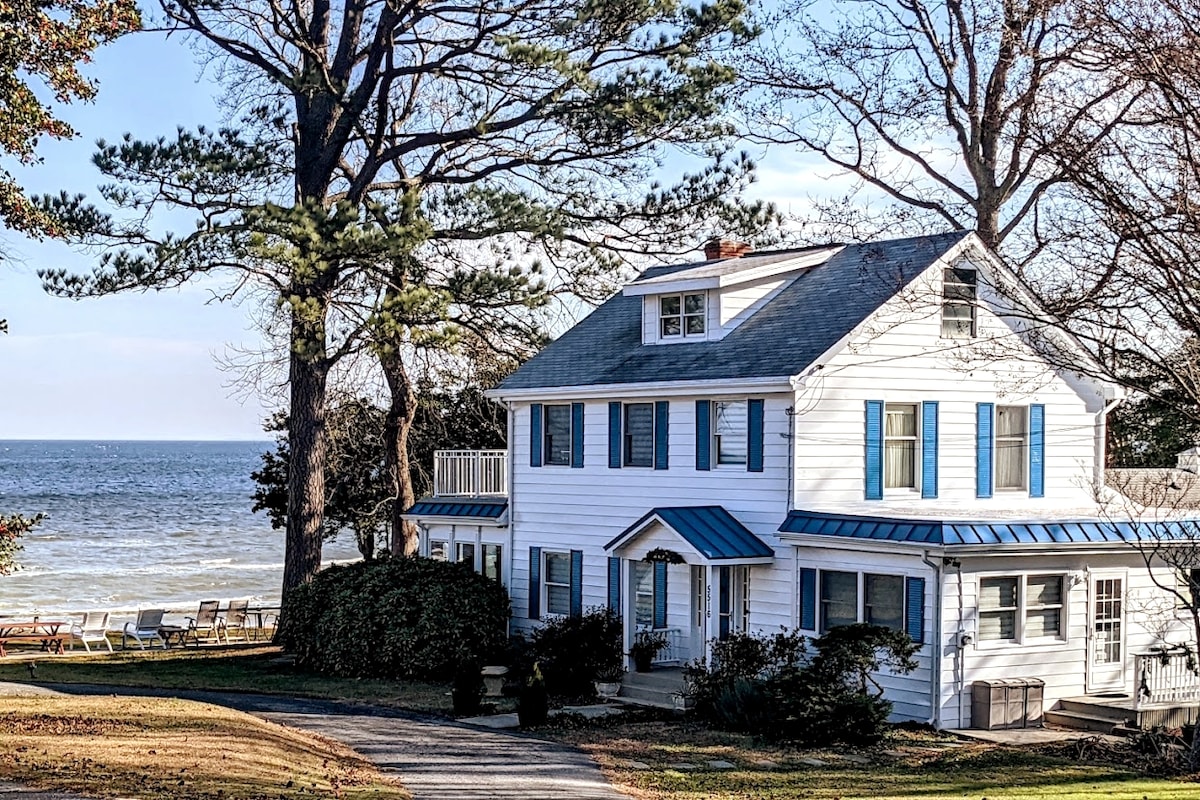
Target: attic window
[
  {"x": 682, "y": 315},
  {"x": 958, "y": 303}
]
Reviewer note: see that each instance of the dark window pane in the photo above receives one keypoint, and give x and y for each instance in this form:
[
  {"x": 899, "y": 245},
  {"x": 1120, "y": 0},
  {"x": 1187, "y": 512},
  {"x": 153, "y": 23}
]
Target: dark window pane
[
  {"x": 558, "y": 434},
  {"x": 491, "y": 562},
  {"x": 695, "y": 325},
  {"x": 884, "y": 600},
  {"x": 839, "y": 599},
  {"x": 693, "y": 304},
  {"x": 670, "y": 305},
  {"x": 639, "y": 435}
]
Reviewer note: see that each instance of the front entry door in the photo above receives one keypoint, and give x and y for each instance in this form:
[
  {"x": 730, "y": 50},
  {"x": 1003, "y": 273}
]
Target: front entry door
[{"x": 1106, "y": 634}]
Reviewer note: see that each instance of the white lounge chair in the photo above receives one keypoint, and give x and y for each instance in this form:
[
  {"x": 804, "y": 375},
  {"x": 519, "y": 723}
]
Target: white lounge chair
[
  {"x": 146, "y": 628},
  {"x": 93, "y": 629}
]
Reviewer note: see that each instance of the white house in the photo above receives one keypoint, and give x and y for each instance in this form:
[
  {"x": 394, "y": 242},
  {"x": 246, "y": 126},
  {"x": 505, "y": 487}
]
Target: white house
[{"x": 811, "y": 437}]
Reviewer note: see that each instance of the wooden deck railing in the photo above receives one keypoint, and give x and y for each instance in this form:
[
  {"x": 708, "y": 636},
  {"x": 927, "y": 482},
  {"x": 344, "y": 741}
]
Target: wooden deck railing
[
  {"x": 470, "y": 473},
  {"x": 1167, "y": 677}
]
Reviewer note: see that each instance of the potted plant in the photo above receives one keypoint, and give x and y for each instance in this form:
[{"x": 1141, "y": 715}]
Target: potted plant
[
  {"x": 608, "y": 681},
  {"x": 533, "y": 706},
  {"x": 647, "y": 645}
]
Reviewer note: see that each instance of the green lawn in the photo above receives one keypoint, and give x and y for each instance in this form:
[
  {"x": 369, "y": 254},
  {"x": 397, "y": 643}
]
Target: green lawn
[
  {"x": 226, "y": 669},
  {"x": 907, "y": 767}
]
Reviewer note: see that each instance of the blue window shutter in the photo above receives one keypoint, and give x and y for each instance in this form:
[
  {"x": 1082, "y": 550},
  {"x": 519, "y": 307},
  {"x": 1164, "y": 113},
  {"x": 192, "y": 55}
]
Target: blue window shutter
[
  {"x": 662, "y": 433},
  {"x": 914, "y": 612},
  {"x": 614, "y": 435},
  {"x": 929, "y": 449},
  {"x": 1037, "y": 451},
  {"x": 614, "y": 583},
  {"x": 983, "y": 449},
  {"x": 535, "y": 583},
  {"x": 535, "y": 435},
  {"x": 660, "y": 594},
  {"x": 754, "y": 434},
  {"x": 874, "y": 454},
  {"x": 576, "y": 583},
  {"x": 808, "y": 599},
  {"x": 703, "y": 434},
  {"x": 576, "y": 435}
]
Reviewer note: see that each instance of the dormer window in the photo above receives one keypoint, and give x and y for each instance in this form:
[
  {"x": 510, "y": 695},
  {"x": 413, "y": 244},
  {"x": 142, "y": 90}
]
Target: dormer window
[
  {"x": 958, "y": 303},
  {"x": 682, "y": 314}
]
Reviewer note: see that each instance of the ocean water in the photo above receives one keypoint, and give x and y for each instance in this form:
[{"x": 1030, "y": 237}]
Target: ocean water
[{"x": 140, "y": 524}]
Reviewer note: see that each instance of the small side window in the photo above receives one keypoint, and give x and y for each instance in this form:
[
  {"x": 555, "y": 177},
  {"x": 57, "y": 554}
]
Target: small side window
[{"x": 959, "y": 292}]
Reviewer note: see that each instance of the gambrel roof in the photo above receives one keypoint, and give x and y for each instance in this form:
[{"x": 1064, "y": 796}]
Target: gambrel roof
[{"x": 820, "y": 307}]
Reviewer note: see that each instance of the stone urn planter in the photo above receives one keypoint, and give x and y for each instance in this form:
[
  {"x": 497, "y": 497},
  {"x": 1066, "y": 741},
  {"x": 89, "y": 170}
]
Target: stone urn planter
[
  {"x": 608, "y": 689},
  {"x": 493, "y": 680}
]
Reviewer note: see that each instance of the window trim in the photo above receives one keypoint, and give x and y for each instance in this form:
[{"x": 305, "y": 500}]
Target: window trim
[
  {"x": 1022, "y": 609},
  {"x": 682, "y": 316},
  {"x": 950, "y": 302},
  {"x": 1025, "y": 444},
  {"x": 860, "y": 595},
  {"x": 626, "y": 436},
  {"x": 546, "y": 462},
  {"x": 715, "y": 456},
  {"x": 916, "y": 448},
  {"x": 546, "y": 583}
]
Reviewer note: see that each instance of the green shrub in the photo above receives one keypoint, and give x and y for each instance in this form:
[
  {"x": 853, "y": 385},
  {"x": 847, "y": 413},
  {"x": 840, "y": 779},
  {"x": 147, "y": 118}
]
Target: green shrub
[
  {"x": 395, "y": 618},
  {"x": 575, "y": 651},
  {"x": 533, "y": 705},
  {"x": 768, "y": 685}
]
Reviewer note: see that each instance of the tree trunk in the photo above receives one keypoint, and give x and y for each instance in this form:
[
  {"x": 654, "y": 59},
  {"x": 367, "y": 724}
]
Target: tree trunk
[
  {"x": 401, "y": 412},
  {"x": 306, "y": 440}
]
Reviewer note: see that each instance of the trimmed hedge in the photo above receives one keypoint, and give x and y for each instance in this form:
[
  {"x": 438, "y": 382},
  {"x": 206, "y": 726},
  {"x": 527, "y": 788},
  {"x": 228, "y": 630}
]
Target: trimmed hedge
[{"x": 395, "y": 618}]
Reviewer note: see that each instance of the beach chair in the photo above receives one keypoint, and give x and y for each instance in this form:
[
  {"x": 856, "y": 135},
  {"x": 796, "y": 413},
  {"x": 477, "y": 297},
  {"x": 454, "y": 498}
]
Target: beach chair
[
  {"x": 146, "y": 628},
  {"x": 207, "y": 624},
  {"x": 92, "y": 629},
  {"x": 235, "y": 620}
]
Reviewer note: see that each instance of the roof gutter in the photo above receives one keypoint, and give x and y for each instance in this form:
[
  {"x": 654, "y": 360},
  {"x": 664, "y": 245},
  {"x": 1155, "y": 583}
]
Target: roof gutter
[{"x": 646, "y": 389}]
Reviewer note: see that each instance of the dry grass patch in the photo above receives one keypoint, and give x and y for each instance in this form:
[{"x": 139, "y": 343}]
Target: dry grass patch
[
  {"x": 154, "y": 748},
  {"x": 909, "y": 766}
]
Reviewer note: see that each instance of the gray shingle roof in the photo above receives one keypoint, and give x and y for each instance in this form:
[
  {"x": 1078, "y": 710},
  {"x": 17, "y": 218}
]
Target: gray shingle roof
[{"x": 810, "y": 315}]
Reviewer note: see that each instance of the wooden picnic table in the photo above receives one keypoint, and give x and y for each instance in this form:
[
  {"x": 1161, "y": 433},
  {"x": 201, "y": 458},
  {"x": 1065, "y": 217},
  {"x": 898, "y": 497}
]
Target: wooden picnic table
[{"x": 45, "y": 632}]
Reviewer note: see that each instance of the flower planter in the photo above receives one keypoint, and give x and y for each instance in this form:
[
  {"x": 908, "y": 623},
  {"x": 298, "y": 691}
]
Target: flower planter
[
  {"x": 608, "y": 689},
  {"x": 493, "y": 680}
]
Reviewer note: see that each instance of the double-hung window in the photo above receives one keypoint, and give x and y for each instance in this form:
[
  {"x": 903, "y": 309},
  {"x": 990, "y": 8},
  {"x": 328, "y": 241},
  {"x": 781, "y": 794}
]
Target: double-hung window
[
  {"x": 682, "y": 315},
  {"x": 638, "y": 449},
  {"x": 959, "y": 290},
  {"x": 883, "y": 600},
  {"x": 839, "y": 599},
  {"x": 492, "y": 565},
  {"x": 465, "y": 553},
  {"x": 557, "y": 434},
  {"x": 1012, "y": 446},
  {"x": 1019, "y": 608},
  {"x": 556, "y": 580},
  {"x": 643, "y": 594},
  {"x": 900, "y": 446},
  {"x": 439, "y": 551},
  {"x": 730, "y": 438}
]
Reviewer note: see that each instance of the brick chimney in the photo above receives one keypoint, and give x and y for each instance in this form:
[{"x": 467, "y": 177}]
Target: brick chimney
[{"x": 716, "y": 248}]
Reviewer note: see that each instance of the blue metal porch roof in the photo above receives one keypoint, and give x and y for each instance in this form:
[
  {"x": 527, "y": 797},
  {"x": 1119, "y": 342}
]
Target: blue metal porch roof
[
  {"x": 474, "y": 508},
  {"x": 1004, "y": 532},
  {"x": 711, "y": 530}
]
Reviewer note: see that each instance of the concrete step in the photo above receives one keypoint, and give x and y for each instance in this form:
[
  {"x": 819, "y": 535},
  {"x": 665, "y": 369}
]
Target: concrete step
[
  {"x": 646, "y": 696},
  {"x": 665, "y": 679},
  {"x": 1079, "y": 721},
  {"x": 1077, "y": 706}
]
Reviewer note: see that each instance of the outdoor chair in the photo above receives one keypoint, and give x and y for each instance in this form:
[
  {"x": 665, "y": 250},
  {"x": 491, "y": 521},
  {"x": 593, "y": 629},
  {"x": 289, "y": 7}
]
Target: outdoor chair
[
  {"x": 93, "y": 629},
  {"x": 207, "y": 625},
  {"x": 235, "y": 620},
  {"x": 146, "y": 628}
]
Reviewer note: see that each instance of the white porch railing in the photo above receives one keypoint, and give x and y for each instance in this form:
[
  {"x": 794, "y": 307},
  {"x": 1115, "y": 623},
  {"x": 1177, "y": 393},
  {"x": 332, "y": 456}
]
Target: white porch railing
[
  {"x": 1167, "y": 677},
  {"x": 673, "y": 653},
  {"x": 470, "y": 473}
]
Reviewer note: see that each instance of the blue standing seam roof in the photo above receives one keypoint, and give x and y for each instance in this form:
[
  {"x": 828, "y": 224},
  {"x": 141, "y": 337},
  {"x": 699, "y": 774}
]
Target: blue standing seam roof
[
  {"x": 950, "y": 534},
  {"x": 712, "y": 530},
  {"x": 468, "y": 509}
]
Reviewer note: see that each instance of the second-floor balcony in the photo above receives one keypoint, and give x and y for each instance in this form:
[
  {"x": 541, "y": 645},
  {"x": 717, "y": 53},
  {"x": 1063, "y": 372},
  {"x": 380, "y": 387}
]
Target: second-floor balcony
[{"x": 470, "y": 473}]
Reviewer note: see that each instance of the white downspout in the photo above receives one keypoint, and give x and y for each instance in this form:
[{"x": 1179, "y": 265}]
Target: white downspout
[
  {"x": 512, "y": 506},
  {"x": 935, "y": 688}
]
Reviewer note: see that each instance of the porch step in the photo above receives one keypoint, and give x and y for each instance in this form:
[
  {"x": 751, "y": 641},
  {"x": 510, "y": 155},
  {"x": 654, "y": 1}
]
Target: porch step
[
  {"x": 1085, "y": 707},
  {"x": 658, "y": 688},
  {"x": 1080, "y": 721}
]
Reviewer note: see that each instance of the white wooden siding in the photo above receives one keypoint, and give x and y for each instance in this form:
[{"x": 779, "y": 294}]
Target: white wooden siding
[
  {"x": 567, "y": 508},
  {"x": 1062, "y": 665},
  {"x": 900, "y": 358}
]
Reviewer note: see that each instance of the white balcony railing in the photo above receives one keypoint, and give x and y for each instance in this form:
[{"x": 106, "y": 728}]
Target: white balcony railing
[
  {"x": 470, "y": 473},
  {"x": 1167, "y": 677}
]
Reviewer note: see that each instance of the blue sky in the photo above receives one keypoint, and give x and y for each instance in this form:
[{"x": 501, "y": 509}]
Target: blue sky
[{"x": 146, "y": 366}]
